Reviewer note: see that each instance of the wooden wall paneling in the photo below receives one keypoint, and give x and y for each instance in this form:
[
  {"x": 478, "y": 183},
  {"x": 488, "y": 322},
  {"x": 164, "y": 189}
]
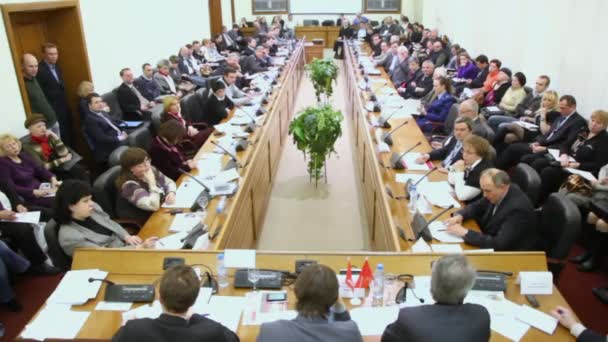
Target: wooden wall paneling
[{"x": 215, "y": 16}]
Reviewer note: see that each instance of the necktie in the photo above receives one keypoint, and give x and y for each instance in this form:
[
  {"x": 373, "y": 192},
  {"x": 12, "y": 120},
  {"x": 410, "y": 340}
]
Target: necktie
[
  {"x": 228, "y": 39},
  {"x": 561, "y": 122},
  {"x": 54, "y": 72},
  {"x": 450, "y": 158}
]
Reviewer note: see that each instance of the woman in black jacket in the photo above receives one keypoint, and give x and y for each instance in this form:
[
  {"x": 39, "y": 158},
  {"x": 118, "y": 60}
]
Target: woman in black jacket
[
  {"x": 346, "y": 32},
  {"x": 218, "y": 105}
]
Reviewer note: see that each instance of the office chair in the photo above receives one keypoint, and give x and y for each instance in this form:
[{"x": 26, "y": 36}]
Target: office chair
[
  {"x": 140, "y": 137},
  {"x": 55, "y": 252},
  {"x": 528, "y": 181},
  {"x": 114, "y": 158},
  {"x": 111, "y": 98}
]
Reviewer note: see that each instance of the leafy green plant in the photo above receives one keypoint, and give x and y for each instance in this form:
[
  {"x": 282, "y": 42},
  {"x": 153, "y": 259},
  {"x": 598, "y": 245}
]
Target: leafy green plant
[
  {"x": 322, "y": 73},
  {"x": 315, "y": 131}
]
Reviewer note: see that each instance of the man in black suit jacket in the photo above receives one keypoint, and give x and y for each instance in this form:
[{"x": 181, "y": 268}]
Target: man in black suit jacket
[
  {"x": 102, "y": 132},
  {"x": 422, "y": 86},
  {"x": 133, "y": 104},
  {"x": 505, "y": 216},
  {"x": 484, "y": 68},
  {"x": 51, "y": 81},
  {"x": 561, "y": 136},
  {"x": 250, "y": 48},
  {"x": 178, "y": 289},
  {"x": 255, "y": 63},
  {"x": 451, "y": 151},
  {"x": 448, "y": 319}
]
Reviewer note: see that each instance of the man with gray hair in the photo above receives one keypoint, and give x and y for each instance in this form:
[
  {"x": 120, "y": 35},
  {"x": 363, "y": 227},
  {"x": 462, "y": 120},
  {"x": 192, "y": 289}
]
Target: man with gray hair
[
  {"x": 448, "y": 319},
  {"x": 505, "y": 216},
  {"x": 470, "y": 109},
  {"x": 401, "y": 68}
]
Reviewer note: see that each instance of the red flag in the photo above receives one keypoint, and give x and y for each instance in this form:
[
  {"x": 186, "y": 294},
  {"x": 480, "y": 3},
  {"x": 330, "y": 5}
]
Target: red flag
[
  {"x": 349, "y": 275},
  {"x": 365, "y": 277}
]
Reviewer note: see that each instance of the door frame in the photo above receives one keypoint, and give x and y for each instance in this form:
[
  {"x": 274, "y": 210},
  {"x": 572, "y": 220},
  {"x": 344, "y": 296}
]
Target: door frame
[{"x": 10, "y": 9}]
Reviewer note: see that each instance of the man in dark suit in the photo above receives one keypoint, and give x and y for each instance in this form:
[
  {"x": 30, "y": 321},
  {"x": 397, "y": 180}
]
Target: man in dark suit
[
  {"x": 582, "y": 334},
  {"x": 102, "y": 132},
  {"x": 249, "y": 49},
  {"x": 451, "y": 151},
  {"x": 470, "y": 109},
  {"x": 563, "y": 133},
  {"x": 145, "y": 84},
  {"x": 133, "y": 104},
  {"x": 422, "y": 86},
  {"x": 178, "y": 289},
  {"x": 375, "y": 45},
  {"x": 505, "y": 216},
  {"x": 51, "y": 81},
  {"x": 255, "y": 63},
  {"x": 448, "y": 319},
  {"x": 484, "y": 68},
  {"x": 400, "y": 69}
]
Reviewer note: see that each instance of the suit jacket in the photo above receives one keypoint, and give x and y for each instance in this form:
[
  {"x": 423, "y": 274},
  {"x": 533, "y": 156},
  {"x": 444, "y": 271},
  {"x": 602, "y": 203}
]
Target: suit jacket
[
  {"x": 589, "y": 335},
  {"x": 562, "y": 137},
  {"x": 302, "y": 329},
  {"x": 171, "y": 328},
  {"x": 437, "y": 111},
  {"x": 472, "y": 177},
  {"x": 346, "y": 32},
  {"x": 387, "y": 61},
  {"x": 592, "y": 153},
  {"x": 54, "y": 89},
  {"x": 440, "y": 322},
  {"x": 103, "y": 137},
  {"x": 73, "y": 235},
  {"x": 399, "y": 74},
  {"x": 248, "y": 51},
  {"x": 425, "y": 82},
  {"x": 444, "y": 151},
  {"x": 148, "y": 88},
  {"x": 165, "y": 89},
  {"x": 128, "y": 101},
  {"x": 480, "y": 79},
  {"x": 215, "y": 110},
  {"x": 530, "y": 102},
  {"x": 251, "y": 64},
  {"x": 481, "y": 129},
  {"x": 513, "y": 226}
]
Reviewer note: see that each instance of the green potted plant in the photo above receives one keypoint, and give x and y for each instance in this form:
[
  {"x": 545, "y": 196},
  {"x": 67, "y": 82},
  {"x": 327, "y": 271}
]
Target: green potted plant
[
  {"x": 315, "y": 130},
  {"x": 322, "y": 73}
]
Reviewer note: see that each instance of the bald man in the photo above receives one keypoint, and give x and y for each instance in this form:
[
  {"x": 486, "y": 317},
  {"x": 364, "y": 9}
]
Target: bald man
[
  {"x": 470, "y": 109},
  {"x": 38, "y": 102}
]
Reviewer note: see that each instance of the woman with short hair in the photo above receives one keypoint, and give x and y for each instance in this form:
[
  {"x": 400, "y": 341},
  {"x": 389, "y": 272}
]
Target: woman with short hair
[
  {"x": 465, "y": 174},
  {"x": 437, "y": 111},
  {"x": 467, "y": 70},
  {"x": 218, "y": 104},
  {"x": 166, "y": 156},
  {"x": 82, "y": 222},
  {"x": 514, "y": 95},
  {"x": 321, "y": 314},
  {"x": 172, "y": 111}
]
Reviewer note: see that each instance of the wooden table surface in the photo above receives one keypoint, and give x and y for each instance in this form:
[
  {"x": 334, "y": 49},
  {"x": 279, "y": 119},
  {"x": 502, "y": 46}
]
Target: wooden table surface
[{"x": 145, "y": 266}]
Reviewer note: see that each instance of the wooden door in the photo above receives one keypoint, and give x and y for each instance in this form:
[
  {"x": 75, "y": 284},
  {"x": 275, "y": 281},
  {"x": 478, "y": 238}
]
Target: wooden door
[{"x": 215, "y": 16}]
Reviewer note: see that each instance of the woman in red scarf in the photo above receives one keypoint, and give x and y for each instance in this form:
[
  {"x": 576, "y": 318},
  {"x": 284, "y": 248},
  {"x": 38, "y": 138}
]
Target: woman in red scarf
[
  {"x": 165, "y": 154},
  {"x": 197, "y": 136},
  {"x": 49, "y": 151}
]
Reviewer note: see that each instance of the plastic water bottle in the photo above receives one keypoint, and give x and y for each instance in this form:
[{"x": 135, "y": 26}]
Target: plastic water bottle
[
  {"x": 222, "y": 279},
  {"x": 221, "y": 205},
  {"x": 378, "y": 298},
  {"x": 413, "y": 204}
]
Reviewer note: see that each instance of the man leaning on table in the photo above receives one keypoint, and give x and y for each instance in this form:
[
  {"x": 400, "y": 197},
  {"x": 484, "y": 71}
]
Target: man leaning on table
[
  {"x": 449, "y": 319},
  {"x": 178, "y": 289},
  {"x": 505, "y": 216}
]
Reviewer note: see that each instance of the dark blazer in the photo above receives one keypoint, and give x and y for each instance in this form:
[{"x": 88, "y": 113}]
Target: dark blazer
[
  {"x": 512, "y": 227},
  {"x": 147, "y": 88},
  {"x": 589, "y": 335},
  {"x": 444, "y": 151},
  {"x": 248, "y": 51},
  {"x": 530, "y": 102},
  {"x": 167, "y": 159},
  {"x": 53, "y": 90},
  {"x": 103, "y": 137},
  {"x": 480, "y": 79},
  {"x": 171, "y": 328},
  {"x": 400, "y": 72},
  {"x": 471, "y": 177},
  {"x": 215, "y": 110},
  {"x": 129, "y": 102},
  {"x": 564, "y": 136},
  {"x": 592, "y": 153},
  {"x": 346, "y": 32},
  {"x": 251, "y": 64},
  {"x": 439, "y": 322},
  {"x": 425, "y": 82},
  {"x": 376, "y": 49},
  {"x": 437, "y": 111},
  {"x": 183, "y": 67},
  {"x": 302, "y": 329}
]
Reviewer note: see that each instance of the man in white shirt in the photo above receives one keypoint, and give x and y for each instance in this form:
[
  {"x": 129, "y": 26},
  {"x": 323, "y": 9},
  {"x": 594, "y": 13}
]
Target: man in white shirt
[{"x": 289, "y": 27}]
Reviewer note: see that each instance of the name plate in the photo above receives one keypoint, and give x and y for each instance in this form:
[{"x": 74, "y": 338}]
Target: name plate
[{"x": 535, "y": 283}]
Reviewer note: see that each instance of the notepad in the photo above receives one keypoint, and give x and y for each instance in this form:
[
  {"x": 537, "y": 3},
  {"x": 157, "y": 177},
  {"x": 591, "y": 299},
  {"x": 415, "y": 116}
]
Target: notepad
[
  {"x": 373, "y": 320},
  {"x": 55, "y": 322},
  {"x": 537, "y": 319},
  {"x": 186, "y": 221},
  {"x": 26, "y": 217}
]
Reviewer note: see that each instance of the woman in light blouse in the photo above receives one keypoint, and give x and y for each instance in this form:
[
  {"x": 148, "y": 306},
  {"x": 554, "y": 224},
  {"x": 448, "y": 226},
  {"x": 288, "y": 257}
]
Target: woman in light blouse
[
  {"x": 465, "y": 173},
  {"x": 514, "y": 95}
]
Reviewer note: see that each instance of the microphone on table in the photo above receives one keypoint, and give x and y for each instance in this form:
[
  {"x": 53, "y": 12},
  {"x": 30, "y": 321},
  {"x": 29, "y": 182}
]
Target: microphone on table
[
  {"x": 101, "y": 280},
  {"x": 383, "y": 122},
  {"x": 408, "y": 184},
  {"x": 234, "y": 162},
  {"x": 206, "y": 193},
  {"x": 396, "y": 157},
  {"x": 387, "y": 137},
  {"x": 425, "y": 233}
]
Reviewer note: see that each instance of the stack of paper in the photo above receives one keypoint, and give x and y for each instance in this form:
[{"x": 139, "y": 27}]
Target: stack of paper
[
  {"x": 226, "y": 310},
  {"x": 186, "y": 194},
  {"x": 209, "y": 165},
  {"x": 173, "y": 241},
  {"x": 55, "y": 322},
  {"x": 75, "y": 288},
  {"x": 186, "y": 221},
  {"x": 438, "y": 194},
  {"x": 414, "y": 177},
  {"x": 27, "y": 217},
  {"x": 438, "y": 231},
  {"x": 145, "y": 311},
  {"x": 409, "y": 160}
]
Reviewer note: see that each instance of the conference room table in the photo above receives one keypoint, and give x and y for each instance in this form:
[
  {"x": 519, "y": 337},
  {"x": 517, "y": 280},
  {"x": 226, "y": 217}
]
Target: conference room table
[
  {"x": 240, "y": 223},
  {"x": 389, "y": 220},
  {"x": 145, "y": 266},
  {"x": 329, "y": 34}
]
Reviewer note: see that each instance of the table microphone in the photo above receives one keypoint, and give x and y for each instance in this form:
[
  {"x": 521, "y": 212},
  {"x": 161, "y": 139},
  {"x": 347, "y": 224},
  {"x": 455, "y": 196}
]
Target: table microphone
[
  {"x": 396, "y": 158},
  {"x": 424, "y": 232},
  {"x": 387, "y": 137},
  {"x": 206, "y": 193},
  {"x": 409, "y": 181},
  {"x": 234, "y": 162},
  {"x": 384, "y": 122}
]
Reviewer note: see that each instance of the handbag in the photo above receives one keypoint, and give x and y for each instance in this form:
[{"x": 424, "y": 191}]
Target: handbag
[{"x": 577, "y": 184}]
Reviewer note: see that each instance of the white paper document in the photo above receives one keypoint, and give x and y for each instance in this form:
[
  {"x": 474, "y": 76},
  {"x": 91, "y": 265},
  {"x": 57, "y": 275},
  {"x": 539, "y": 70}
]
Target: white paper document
[
  {"x": 239, "y": 258},
  {"x": 439, "y": 194},
  {"x": 186, "y": 221},
  {"x": 414, "y": 177},
  {"x": 145, "y": 311},
  {"x": 75, "y": 287},
  {"x": 556, "y": 155},
  {"x": 409, "y": 161},
  {"x": 446, "y": 248},
  {"x": 174, "y": 241},
  {"x": 439, "y": 232},
  {"x": 226, "y": 310},
  {"x": 113, "y": 306},
  {"x": 185, "y": 195},
  {"x": 27, "y": 217},
  {"x": 537, "y": 319},
  {"x": 535, "y": 283},
  {"x": 503, "y": 313},
  {"x": 421, "y": 247},
  {"x": 585, "y": 174},
  {"x": 55, "y": 322},
  {"x": 479, "y": 251},
  {"x": 373, "y": 320}
]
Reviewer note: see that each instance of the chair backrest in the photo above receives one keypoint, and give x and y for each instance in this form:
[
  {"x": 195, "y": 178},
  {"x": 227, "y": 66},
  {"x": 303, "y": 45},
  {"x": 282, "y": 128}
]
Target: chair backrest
[
  {"x": 492, "y": 154},
  {"x": 374, "y": 23},
  {"x": 156, "y": 113},
  {"x": 141, "y": 137},
  {"x": 528, "y": 181},
  {"x": 55, "y": 252},
  {"x": 560, "y": 225},
  {"x": 528, "y": 90},
  {"x": 451, "y": 118},
  {"x": 105, "y": 191},
  {"x": 309, "y": 22},
  {"x": 184, "y": 104},
  {"x": 328, "y": 23},
  {"x": 111, "y": 98},
  {"x": 114, "y": 158}
]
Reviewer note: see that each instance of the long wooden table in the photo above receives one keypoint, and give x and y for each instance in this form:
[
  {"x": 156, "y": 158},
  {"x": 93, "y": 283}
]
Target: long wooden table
[
  {"x": 328, "y": 33},
  {"x": 145, "y": 266},
  {"x": 386, "y": 216},
  {"x": 241, "y": 222}
]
